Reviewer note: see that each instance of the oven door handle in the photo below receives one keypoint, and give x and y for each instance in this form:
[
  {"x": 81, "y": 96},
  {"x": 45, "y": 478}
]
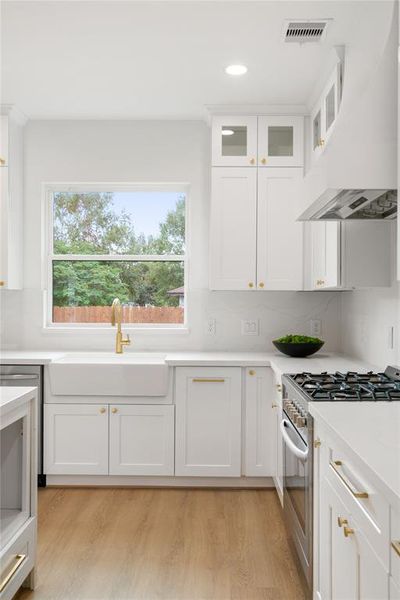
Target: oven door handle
[{"x": 301, "y": 454}]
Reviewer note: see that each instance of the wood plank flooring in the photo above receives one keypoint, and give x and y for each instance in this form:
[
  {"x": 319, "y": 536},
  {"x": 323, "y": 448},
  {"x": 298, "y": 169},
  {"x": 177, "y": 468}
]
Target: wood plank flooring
[{"x": 169, "y": 544}]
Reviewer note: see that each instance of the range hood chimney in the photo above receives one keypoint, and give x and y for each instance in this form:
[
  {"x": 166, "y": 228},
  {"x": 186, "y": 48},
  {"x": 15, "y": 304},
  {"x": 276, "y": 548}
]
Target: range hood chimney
[{"x": 351, "y": 204}]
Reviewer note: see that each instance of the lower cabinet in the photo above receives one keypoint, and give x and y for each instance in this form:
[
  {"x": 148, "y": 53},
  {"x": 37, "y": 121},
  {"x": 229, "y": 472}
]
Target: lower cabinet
[
  {"x": 76, "y": 439},
  {"x": 208, "y": 421},
  {"x": 350, "y": 569},
  {"x": 142, "y": 440},
  {"x": 260, "y": 423},
  {"x": 92, "y": 439}
]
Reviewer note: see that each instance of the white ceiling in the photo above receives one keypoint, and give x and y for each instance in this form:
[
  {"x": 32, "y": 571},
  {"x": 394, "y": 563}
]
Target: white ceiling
[{"x": 111, "y": 59}]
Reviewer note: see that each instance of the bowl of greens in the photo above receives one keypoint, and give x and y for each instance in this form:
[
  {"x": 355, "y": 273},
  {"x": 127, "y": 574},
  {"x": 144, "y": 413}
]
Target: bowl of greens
[{"x": 298, "y": 345}]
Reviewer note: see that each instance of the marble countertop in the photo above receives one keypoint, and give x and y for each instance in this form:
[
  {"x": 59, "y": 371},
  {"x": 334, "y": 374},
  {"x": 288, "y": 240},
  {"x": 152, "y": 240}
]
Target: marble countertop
[
  {"x": 12, "y": 397},
  {"x": 371, "y": 432}
]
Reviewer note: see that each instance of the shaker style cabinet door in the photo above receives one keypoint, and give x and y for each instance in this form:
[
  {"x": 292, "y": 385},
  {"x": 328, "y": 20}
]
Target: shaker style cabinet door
[
  {"x": 260, "y": 423},
  {"x": 141, "y": 439},
  {"x": 325, "y": 255},
  {"x": 280, "y": 141},
  {"x": 233, "y": 245},
  {"x": 76, "y": 439},
  {"x": 279, "y": 235},
  {"x": 234, "y": 141},
  {"x": 208, "y": 421}
]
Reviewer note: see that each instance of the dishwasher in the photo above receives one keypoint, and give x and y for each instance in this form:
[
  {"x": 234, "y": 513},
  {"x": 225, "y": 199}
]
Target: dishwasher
[{"x": 29, "y": 376}]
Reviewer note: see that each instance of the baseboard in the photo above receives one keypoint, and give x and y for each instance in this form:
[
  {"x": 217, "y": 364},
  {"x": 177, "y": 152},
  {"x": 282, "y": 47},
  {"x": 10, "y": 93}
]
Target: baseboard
[{"x": 167, "y": 482}]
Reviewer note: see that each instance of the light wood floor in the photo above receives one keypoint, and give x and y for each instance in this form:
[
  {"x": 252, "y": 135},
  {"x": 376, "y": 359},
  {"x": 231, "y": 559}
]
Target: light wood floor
[{"x": 149, "y": 544}]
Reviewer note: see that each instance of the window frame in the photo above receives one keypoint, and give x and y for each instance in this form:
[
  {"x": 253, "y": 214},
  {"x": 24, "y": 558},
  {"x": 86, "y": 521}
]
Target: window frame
[{"x": 49, "y": 189}]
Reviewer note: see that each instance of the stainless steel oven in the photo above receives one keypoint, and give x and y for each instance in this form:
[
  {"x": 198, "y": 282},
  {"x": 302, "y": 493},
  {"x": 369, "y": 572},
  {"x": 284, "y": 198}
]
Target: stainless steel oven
[{"x": 297, "y": 433}]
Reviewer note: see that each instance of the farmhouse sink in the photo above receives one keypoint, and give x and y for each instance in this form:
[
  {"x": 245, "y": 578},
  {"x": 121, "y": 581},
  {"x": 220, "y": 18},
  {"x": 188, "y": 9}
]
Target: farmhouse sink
[{"x": 107, "y": 374}]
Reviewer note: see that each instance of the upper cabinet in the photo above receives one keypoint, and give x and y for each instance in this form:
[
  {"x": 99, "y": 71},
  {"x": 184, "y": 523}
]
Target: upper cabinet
[
  {"x": 325, "y": 111},
  {"x": 280, "y": 141},
  {"x": 268, "y": 141},
  {"x": 11, "y": 199}
]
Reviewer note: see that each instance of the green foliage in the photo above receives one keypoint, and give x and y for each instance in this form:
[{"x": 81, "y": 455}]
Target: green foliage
[
  {"x": 86, "y": 224},
  {"x": 299, "y": 339}
]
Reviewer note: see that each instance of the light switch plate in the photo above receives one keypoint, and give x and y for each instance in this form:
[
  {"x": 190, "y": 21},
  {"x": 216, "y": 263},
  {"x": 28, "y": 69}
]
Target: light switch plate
[{"x": 250, "y": 327}]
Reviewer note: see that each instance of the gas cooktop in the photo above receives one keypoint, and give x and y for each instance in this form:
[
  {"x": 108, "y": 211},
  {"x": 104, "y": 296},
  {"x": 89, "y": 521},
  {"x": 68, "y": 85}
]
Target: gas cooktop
[{"x": 350, "y": 386}]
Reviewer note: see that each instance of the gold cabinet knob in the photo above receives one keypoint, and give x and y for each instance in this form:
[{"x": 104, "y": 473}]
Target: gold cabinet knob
[
  {"x": 102, "y": 410},
  {"x": 348, "y": 531},
  {"x": 2, "y": 162},
  {"x": 261, "y": 284},
  {"x": 274, "y": 405},
  {"x": 251, "y": 284},
  {"x": 252, "y": 372},
  {"x": 263, "y": 161},
  {"x": 341, "y": 521},
  {"x": 2, "y": 283},
  {"x": 252, "y": 161},
  {"x": 317, "y": 443},
  {"x": 320, "y": 281},
  {"x": 279, "y": 387},
  {"x": 114, "y": 410},
  {"x": 321, "y": 142}
]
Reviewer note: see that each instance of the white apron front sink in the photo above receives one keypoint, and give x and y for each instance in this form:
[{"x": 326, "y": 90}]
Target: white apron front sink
[{"x": 107, "y": 374}]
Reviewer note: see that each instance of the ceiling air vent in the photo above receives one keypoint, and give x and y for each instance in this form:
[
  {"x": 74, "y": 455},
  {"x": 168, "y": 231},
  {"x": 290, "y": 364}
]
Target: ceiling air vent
[{"x": 305, "y": 31}]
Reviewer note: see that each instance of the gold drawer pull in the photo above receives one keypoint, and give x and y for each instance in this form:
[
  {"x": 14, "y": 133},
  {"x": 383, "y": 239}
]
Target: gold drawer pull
[
  {"x": 252, "y": 372},
  {"x": 348, "y": 531},
  {"x": 102, "y": 410},
  {"x": 341, "y": 521},
  {"x": 2, "y": 162},
  {"x": 263, "y": 161},
  {"x": 198, "y": 380},
  {"x": 336, "y": 464},
  {"x": 114, "y": 410},
  {"x": 317, "y": 443},
  {"x": 2, "y": 283},
  {"x": 396, "y": 546},
  {"x": 15, "y": 565}
]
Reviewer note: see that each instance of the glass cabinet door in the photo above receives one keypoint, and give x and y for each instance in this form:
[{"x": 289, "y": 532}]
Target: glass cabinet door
[
  {"x": 280, "y": 141},
  {"x": 234, "y": 141}
]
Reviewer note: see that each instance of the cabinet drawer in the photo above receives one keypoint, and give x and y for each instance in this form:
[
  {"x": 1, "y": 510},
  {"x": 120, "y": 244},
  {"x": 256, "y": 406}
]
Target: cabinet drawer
[
  {"x": 368, "y": 507},
  {"x": 17, "y": 560},
  {"x": 395, "y": 546}
]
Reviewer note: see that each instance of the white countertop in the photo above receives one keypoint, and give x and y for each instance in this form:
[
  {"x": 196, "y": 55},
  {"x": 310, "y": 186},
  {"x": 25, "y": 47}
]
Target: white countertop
[
  {"x": 371, "y": 432},
  {"x": 12, "y": 397},
  {"x": 323, "y": 361}
]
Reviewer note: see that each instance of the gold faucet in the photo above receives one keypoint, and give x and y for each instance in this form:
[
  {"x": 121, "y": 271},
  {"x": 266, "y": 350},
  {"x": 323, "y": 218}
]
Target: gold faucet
[{"x": 116, "y": 318}]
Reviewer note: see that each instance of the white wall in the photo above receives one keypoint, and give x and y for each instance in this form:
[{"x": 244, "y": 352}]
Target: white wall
[{"x": 165, "y": 151}]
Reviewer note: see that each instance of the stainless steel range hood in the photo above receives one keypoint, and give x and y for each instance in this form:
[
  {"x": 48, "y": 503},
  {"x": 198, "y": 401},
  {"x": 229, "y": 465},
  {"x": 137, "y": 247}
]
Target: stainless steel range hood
[{"x": 346, "y": 204}]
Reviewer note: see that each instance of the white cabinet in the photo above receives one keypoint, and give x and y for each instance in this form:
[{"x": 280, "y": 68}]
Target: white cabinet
[
  {"x": 256, "y": 242},
  {"x": 260, "y": 423},
  {"x": 233, "y": 242},
  {"x": 141, "y": 440},
  {"x": 11, "y": 200},
  {"x": 277, "y": 436},
  {"x": 325, "y": 111},
  {"x": 279, "y": 235},
  {"x": 76, "y": 439},
  {"x": 234, "y": 141},
  {"x": 280, "y": 141},
  {"x": 349, "y": 255},
  {"x": 208, "y": 421},
  {"x": 394, "y": 590}
]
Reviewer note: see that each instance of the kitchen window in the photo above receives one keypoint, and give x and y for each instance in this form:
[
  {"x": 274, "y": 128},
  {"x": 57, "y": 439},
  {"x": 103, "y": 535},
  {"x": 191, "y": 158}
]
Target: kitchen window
[{"x": 117, "y": 241}]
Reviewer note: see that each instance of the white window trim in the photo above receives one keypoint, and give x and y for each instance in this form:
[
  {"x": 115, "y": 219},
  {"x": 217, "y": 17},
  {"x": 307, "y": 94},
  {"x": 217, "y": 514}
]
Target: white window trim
[{"x": 48, "y": 257}]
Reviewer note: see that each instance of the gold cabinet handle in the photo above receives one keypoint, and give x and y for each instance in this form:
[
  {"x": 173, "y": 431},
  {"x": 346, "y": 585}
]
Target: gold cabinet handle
[
  {"x": 114, "y": 410},
  {"x": 263, "y": 161},
  {"x": 252, "y": 372},
  {"x": 102, "y": 410},
  {"x": 2, "y": 162},
  {"x": 15, "y": 565},
  {"x": 261, "y": 284},
  {"x": 341, "y": 521},
  {"x": 396, "y": 546},
  {"x": 205, "y": 380},
  {"x": 336, "y": 464},
  {"x": 347, "y": 531},
  {"x": 252, "y": 161},
  {"x": 317, "y": 443},
  {"x": 251, "y": 284}
]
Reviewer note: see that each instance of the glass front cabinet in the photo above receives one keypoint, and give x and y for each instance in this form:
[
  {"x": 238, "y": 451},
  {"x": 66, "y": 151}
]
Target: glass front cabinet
[
  {"x": 325, "y": 111},
  {"x": 265, "y": 141}
]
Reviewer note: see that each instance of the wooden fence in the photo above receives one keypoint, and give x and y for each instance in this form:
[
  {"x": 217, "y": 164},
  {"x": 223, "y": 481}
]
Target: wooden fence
[{"x": 130, "y": 314}]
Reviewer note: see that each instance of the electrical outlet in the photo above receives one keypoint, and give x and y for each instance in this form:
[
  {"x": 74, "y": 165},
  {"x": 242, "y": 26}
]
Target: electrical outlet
[
  {"x": 315, "y": 327},
  {"x": 391, "y": 337},
  {"x": 250, "y": 327},
  {"x": 211, "y": 326}
]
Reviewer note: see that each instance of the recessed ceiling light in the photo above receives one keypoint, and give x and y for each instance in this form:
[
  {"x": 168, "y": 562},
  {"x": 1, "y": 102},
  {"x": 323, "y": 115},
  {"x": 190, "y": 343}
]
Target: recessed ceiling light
[
  {"x": 227, "y": 132},
  {"x": 236, "y": 70}
]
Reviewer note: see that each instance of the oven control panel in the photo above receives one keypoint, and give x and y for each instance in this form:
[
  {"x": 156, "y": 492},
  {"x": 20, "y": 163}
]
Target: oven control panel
[{"x": 295, "y": 412}]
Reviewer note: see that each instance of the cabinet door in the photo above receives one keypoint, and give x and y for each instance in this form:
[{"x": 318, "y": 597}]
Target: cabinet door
[
  {"x": 233, "y": 244},
  {"x": 260, "y": 423},
  {"x": 4, "y": 218},
  {"x": 208, "y": 421},
  {"x": 278, "y": 451},
  {"x": 234, "y": 141},
  {"x": 279, "y": 235},
  {"x": 325, "y": 255},
  {"x": 3, "y": 141},
  {"x": 76, "y": 439},
  {"x": 394, "y": 593},
  {"x": 280, "y": 141},
  {"x": 141, "y": 440}
]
